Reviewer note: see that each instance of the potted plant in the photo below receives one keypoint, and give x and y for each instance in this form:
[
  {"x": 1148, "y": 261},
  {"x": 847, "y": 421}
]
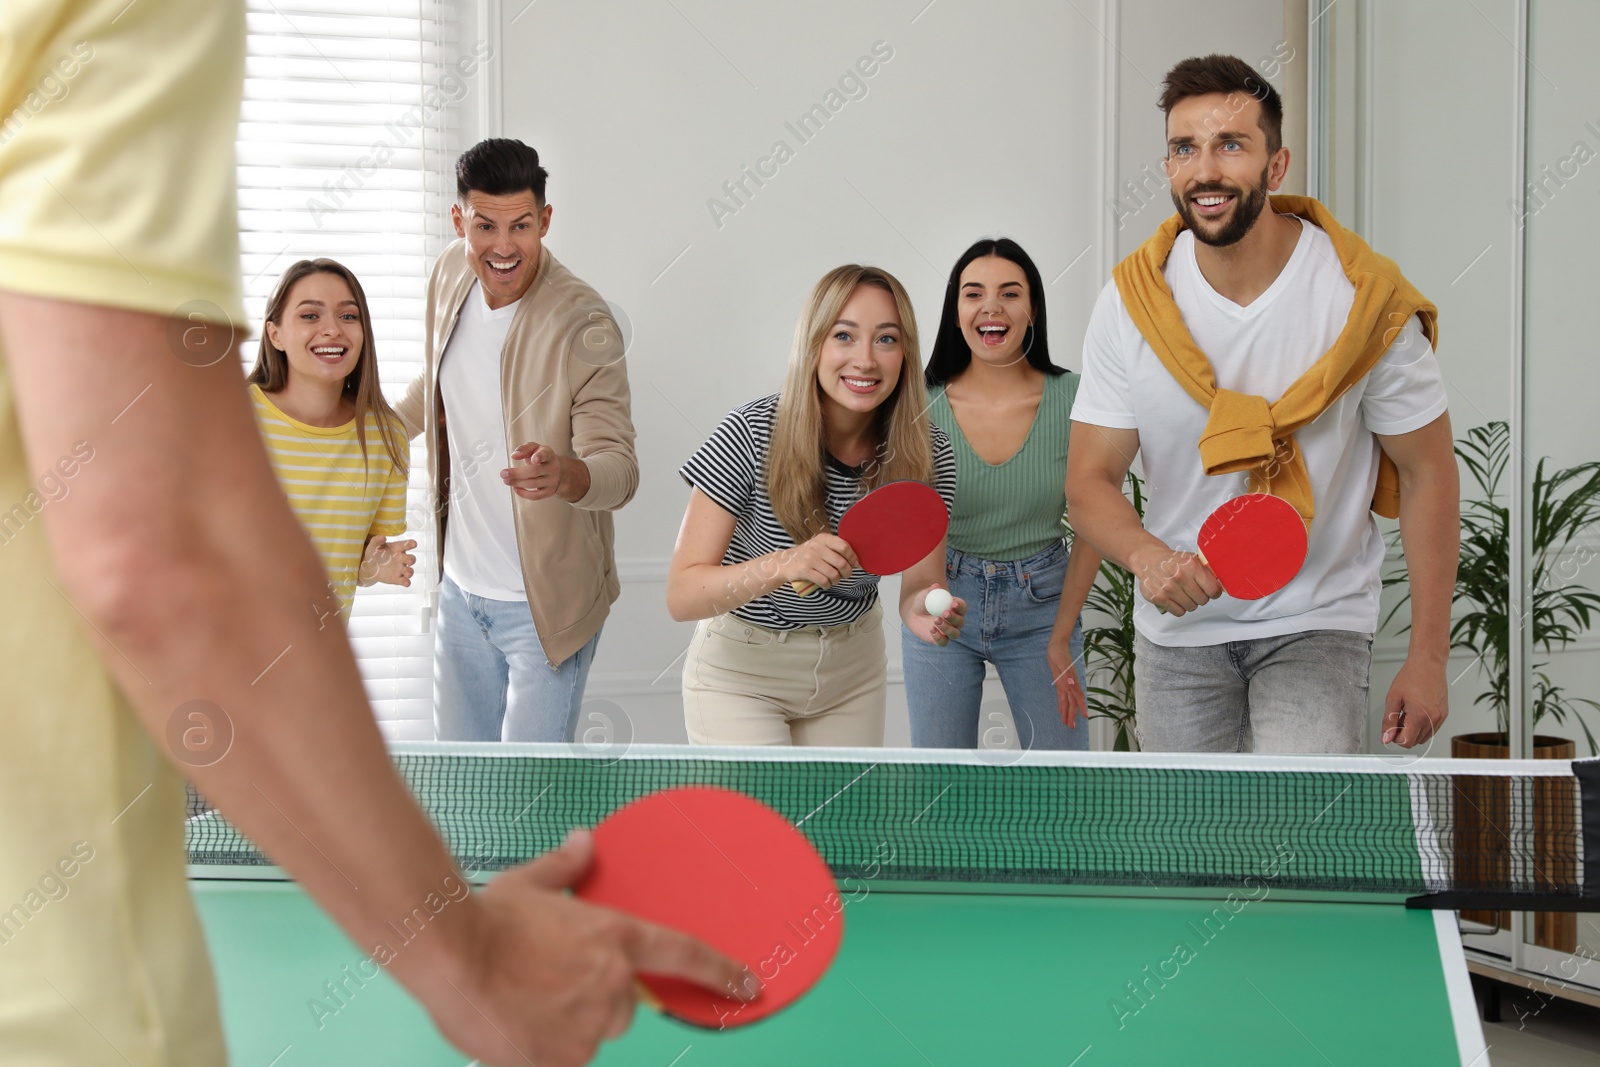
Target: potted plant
[
  {"x": 1108, "y": 650},
  {"x": 1565, "y": 509}
]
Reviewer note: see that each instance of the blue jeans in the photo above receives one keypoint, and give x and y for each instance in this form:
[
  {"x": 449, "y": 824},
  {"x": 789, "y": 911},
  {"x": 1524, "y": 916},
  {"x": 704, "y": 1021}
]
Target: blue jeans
[
  {"x": 491, "y": 681},
  {"x": 1011, "y": 610},
  {"x": 1304, "y": 692}
]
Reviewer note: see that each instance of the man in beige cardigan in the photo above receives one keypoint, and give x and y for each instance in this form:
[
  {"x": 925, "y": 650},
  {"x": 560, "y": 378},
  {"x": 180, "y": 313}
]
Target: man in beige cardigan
[{"x": 525, "y": 406}]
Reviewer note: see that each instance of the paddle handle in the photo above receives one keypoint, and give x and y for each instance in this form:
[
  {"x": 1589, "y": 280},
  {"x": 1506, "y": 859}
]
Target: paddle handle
[
  {"x": 802, "y": 587},
  {"x": 643, "y": 995}
]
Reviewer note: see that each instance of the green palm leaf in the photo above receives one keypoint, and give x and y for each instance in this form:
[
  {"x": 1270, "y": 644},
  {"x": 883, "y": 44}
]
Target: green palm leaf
[{"x": 1564, "y": 509}]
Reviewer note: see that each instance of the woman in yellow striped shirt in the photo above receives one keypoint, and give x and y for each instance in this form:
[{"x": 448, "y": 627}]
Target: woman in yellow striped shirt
[{"x": 338, "y": 448}]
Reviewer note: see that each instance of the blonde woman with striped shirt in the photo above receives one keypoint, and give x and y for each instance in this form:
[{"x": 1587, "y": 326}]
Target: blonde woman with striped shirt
[
  {"x": 336, "y": 445},
  {"x": 769, "y": 666}
]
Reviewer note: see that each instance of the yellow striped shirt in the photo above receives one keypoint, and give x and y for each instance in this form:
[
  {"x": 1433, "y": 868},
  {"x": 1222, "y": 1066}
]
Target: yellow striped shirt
[{"x": 340, "y": 499}]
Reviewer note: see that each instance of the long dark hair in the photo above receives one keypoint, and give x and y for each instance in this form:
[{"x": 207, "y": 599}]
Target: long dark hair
[
  {"x": 361, "y": 387},
  {"x": 951, "y": 353}
]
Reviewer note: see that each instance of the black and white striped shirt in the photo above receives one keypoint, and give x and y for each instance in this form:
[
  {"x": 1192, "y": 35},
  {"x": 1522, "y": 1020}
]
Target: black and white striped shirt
[{"x": 729, "y": 468}]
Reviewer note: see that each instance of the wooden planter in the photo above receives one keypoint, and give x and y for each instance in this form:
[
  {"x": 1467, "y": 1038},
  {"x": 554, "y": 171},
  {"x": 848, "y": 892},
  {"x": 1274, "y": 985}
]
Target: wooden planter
[{"x": 1483, "y": 816}]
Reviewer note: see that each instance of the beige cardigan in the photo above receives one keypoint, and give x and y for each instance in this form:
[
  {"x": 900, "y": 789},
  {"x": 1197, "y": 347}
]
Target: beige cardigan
[{"x": 563, "y": 384}]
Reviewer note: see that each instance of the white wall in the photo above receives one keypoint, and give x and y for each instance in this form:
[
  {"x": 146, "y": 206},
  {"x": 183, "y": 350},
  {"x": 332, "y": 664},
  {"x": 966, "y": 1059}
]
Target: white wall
[
  {"x": 1423, "y": 176},
  {"x": 1563, "y": 226}
]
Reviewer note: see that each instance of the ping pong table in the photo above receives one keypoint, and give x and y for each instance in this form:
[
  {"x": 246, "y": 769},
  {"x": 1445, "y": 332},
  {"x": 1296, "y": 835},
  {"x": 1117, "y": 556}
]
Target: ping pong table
[
  {"x": 940, "y": 978},
  {"x": 1104, "y": 945}
]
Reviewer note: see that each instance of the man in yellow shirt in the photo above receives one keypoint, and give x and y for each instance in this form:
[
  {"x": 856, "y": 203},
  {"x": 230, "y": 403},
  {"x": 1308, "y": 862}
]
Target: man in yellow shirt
[{"x": 136, "y": 510}]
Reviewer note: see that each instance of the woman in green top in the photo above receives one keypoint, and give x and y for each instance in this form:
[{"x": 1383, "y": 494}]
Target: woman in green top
[{"x": 1006, "y": 409}]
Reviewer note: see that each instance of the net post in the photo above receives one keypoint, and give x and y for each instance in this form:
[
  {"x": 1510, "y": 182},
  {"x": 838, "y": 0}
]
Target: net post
[{"x": 1588, "y": 775}]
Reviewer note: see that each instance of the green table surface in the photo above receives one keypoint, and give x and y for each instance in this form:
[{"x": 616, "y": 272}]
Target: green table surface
[{"x": 929, "y": 978}]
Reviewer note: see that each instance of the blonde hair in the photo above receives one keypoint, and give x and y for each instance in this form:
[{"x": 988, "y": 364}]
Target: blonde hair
[
  {"x": 796, "y": 466},
  {"x": 271, "y": 371}
]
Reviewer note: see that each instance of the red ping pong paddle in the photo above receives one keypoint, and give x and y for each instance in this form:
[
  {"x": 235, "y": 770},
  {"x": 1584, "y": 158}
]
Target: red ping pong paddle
[
  {"x": 1255, "y": 544},
  {"x": 729, "y": 870},
  {"x": 891, "y": 528}
]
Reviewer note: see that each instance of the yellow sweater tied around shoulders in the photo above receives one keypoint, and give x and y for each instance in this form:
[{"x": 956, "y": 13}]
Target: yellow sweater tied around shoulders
[{"x": 1244, "y": 432}]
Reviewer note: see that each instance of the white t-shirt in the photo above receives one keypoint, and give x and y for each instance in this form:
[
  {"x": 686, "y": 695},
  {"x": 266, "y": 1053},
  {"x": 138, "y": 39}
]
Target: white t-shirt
[
  {"x": 480, "y": 541},
  {"x": 1262, "y": 349}
]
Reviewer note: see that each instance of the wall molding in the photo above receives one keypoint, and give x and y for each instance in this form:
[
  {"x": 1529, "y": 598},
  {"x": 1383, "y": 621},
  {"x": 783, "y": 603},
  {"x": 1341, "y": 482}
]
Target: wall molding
[
  {"x": 1391, "y": 648},
  {"x": 1315, "y": 100},
  {"x": 1521, "y": 657},
  {"x": 491, "y": 112},
  {"x": 1366, "y": 53},
  {"x": 643, "y": 570},
  {"x": 1110, "y": 117}
]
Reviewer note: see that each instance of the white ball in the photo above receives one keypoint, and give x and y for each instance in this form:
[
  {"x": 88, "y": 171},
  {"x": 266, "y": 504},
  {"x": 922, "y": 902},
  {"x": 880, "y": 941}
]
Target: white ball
[{"x": 937, "y": 602}]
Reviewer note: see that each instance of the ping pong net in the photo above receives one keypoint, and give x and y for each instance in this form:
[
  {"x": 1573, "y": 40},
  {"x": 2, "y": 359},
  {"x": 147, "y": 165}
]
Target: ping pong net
[{"x": 1441, "y": 832}]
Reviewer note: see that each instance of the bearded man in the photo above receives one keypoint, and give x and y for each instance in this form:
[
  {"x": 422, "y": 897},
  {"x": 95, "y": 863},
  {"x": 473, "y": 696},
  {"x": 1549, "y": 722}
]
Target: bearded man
[{"x": 1255, "y": 345}]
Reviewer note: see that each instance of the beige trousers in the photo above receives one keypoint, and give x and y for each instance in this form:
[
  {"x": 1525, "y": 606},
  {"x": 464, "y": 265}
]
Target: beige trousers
[{"x": 744, "y": 684}]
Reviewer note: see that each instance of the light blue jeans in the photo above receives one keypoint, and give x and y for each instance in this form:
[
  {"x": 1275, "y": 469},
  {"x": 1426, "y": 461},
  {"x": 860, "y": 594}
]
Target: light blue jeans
[
  {"x": 490, "y": 678},
  {"x": 1011, "y": 610},
  {"x": 1304, "y": 693}
]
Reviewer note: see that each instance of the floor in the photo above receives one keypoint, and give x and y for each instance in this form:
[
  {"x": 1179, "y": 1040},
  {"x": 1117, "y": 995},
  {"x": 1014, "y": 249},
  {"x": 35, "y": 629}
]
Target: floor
[{"x": 1537, "y": 1031}]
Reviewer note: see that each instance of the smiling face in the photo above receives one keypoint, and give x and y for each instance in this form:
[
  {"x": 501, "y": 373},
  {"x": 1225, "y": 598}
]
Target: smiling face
[
  {"x": 1219, "y": 165},
  {"x": 994, "y": 308},
  {"x": 861, "y": 358},
  {"x": 504, "y": 235},
  {"x": 320, "y": 329}
]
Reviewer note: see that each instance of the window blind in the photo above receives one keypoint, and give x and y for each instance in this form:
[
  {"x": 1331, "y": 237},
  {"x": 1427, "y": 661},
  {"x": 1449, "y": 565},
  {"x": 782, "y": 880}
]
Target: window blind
[{"x": 346, "y": 140}]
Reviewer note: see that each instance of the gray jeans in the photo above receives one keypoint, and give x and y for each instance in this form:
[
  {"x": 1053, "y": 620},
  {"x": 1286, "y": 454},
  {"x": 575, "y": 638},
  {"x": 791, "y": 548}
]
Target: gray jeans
[{"x": 1302, "y": 692}]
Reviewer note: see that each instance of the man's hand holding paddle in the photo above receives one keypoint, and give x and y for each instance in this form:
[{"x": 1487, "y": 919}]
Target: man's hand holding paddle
[
  {"x": 1175, "y": 582},
  {"x": 544, "y": 977},
  {"x": 1249, "y": 547}
]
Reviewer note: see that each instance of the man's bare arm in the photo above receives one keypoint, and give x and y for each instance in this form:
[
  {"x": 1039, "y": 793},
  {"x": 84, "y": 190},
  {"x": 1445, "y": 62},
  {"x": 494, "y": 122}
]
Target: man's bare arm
[
  {"x": 160, "y": 546},
  {"x": 1098, "y": 459},
  {"x": 1430, "y": 531}
]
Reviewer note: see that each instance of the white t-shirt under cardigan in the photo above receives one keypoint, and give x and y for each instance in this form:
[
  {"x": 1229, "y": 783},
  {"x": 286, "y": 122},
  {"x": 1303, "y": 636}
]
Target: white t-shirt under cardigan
[
  {"x": 1261, "y": 349},
  {"x": 480, "y": 546},
  {"x": 729, "y": 468}
]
